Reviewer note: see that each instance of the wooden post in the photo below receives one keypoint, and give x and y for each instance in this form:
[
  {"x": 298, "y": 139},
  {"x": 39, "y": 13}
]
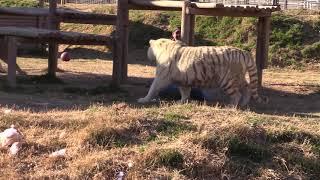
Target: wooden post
[
  {"x": 285, "y": 4},
  {"x": 191, "y": 32},
  {"x": 41, "y": 3},
  {"x": 262, "y": 45},
  {"x": 11, "y": 52},
  {"x": 122, "y": 34},
  {"x": 116, "y": 68},
  {"x": 187, "y": 24},
  {"x": 53, "y": 46}
]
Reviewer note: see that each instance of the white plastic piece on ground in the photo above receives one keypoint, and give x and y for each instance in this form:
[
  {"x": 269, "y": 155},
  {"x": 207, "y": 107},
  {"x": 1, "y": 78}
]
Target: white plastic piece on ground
[
  {"x": 15, "y": 148},
  {"x": 7, "y": 111},
  {"x": 120, "y": 175},
  {"x": 130, "y": 164},
  {"x": 9, "y": 136}
]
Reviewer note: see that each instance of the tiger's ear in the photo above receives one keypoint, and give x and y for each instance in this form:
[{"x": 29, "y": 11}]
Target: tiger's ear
[{"x": 151, "y": 41}]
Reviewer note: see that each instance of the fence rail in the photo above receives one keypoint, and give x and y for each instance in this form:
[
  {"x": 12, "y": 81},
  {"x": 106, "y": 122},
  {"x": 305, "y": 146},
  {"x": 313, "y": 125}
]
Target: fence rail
[{"x": 85, "y": 1}]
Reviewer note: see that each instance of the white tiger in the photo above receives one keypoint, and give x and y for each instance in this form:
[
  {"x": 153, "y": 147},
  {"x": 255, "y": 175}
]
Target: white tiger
[{"x": 204, "y": 67}]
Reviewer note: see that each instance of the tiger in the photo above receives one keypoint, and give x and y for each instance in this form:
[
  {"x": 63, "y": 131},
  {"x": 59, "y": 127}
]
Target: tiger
[{"x": 222, "y": 67}]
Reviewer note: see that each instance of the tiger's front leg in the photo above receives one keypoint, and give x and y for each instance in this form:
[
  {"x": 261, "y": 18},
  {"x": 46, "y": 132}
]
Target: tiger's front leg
[
  {"x": 157, "y": 85},
  {"x": 185, "y": 93}
]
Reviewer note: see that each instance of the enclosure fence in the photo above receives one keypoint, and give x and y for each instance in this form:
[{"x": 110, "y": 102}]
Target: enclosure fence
[
  {"x": 284, "y": 4},
  {"x": 85, "y": 1}
]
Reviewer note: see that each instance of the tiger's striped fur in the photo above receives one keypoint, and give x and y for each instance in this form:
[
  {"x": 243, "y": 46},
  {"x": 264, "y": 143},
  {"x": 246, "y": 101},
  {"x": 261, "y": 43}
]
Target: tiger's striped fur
[{"x": 205, "y": 67}]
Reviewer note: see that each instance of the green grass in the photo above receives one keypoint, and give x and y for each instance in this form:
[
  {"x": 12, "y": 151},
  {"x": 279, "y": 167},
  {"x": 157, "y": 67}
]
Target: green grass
[
  {"x": 19, "y": 3},
  {"x": 170, "y": 157}
]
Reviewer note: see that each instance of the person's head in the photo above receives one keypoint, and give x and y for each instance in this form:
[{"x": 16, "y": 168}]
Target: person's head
[{"x": 176, "y": 34}]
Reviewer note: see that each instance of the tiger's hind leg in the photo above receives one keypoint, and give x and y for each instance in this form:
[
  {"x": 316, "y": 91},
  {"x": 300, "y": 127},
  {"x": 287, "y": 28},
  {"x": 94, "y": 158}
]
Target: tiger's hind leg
[
  {"x": 235, "y": 96},
  {"x": 185, "y": 93},
  {"x": 2, "y": 70},
  {"x": 246, "y": 95},
  {"x": 157, "y": 85}
]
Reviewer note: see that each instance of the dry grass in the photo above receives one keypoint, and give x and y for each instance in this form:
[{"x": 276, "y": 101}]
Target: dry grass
[{"x": 105, "y": 131}]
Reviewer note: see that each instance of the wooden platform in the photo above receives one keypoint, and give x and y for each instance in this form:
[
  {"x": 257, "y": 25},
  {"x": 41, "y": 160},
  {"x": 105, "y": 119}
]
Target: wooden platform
[
  {"x": 214, "y": 8},
  {"x": 8, "y": 44}
]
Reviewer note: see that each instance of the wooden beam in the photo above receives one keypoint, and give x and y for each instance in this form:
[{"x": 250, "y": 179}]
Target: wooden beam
[
  {"x": 11, "y": 53},
  {"x": 122, "y": 33},
  {"x": 244, "y": 12},
  {"x": 177, "y": 5},
  {"x": 25, "y": 11},
  {"x": 138, "y": 7},
  {"x": 61, "y": 37},
  {"x": 262, "y": 48},
  {"x": 88, "y": 18},
  {"x": 155, "y": 5},
  {"x": 53, "y": 46}
]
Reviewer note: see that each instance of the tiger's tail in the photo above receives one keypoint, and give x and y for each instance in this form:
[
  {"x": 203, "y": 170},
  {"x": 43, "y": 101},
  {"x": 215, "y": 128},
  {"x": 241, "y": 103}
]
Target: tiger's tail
[{"x": 253, "y": 76}]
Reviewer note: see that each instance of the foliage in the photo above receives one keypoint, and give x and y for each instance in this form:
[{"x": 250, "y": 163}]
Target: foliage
[{"x": 311, "y": 51}]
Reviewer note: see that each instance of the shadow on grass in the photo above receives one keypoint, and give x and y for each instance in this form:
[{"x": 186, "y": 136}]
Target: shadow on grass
[{"x": 93, "y": 88}]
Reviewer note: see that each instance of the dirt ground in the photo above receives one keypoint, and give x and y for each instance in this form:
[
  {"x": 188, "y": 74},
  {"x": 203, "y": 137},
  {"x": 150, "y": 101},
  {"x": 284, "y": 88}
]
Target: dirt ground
[{"x": 290, "y": 91}]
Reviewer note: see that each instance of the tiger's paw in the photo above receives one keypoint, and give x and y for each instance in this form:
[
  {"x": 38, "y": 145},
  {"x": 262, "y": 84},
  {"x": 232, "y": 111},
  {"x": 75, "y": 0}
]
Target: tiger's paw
[
  {"x": 143, "y": 100},
  {"x": 183, "y": 101},
  {"x": 146, "y": 100}
]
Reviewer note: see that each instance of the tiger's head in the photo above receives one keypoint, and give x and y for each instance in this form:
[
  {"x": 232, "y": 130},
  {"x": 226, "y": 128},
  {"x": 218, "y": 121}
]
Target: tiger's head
[{"x": 160, "y": 46}]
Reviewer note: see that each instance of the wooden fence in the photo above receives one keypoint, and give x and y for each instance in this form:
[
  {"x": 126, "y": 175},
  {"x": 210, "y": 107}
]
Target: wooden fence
[
  {"x": 85, "y": 1},
  {"x": 284, "y": 4}
]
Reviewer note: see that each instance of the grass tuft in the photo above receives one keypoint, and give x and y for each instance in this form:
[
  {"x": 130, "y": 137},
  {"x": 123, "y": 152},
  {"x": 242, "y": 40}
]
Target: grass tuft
[{"x": 170, "y": 158}]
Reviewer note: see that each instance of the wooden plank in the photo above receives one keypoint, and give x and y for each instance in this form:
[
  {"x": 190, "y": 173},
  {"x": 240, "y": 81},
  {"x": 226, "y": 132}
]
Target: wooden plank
[
  {"x": 177, "y": 5},
  {"x": 159, "y": 4},
  {"x": 25, "y": 11},
  {"x": 137, "y": 7},
  {"x": 228, "y": 12},
  {"x": 61, "y": 37},
  {"x": 122, "y": 33},
  {"x": 262, "y": 45},
  {"x": 11, "y": 60},
  {"x": 88, "y": 18}
]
